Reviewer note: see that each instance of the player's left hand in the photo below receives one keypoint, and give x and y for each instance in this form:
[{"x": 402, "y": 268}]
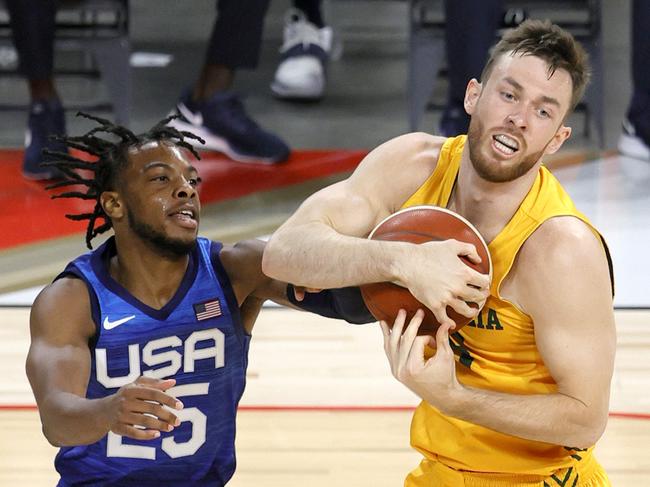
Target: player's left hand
[{"x": 433, "y": 379}]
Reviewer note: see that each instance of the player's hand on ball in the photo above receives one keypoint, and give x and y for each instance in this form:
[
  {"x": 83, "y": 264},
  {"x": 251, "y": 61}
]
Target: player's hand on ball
[
  {"x": 141, "y": 410},
  {"x": 437, "y": 277},
  {"x": 434, "y": 377},
  {"x": 445, "y": 268}
]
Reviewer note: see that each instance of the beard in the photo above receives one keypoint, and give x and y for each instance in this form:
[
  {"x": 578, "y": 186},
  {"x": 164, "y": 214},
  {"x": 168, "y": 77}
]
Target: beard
[
  {"x": 491, "y": 171},
  {"x": 158, "y": 240}
]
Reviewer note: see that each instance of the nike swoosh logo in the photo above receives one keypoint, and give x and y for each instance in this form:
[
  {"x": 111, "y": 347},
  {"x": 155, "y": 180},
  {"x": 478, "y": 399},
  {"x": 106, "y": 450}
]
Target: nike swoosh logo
[
  {"x": 193, "y": 118},
  {"x": 109, "y": 325}
]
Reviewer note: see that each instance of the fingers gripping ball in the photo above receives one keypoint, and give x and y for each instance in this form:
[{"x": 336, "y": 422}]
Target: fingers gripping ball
[{"x": 417, "y": 225}]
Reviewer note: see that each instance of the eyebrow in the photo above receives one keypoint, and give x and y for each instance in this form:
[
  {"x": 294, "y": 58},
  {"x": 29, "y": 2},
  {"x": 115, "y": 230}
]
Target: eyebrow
[
  {"x": 550, "y": 100},
  {"x": 154, "y": 164},
  {"x": 544, "y": 98}
]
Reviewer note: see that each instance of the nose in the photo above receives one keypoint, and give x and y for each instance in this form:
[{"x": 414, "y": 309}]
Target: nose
[
  {"x": 185, "y": 190},
  {"x": 518, "y": 119}
]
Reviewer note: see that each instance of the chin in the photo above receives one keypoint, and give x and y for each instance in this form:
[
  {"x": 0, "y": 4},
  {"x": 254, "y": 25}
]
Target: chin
[
  {"x": 177, "y": 247},
  {"x": 169, "y": 244},
  {"x": 182, "y": 236}
]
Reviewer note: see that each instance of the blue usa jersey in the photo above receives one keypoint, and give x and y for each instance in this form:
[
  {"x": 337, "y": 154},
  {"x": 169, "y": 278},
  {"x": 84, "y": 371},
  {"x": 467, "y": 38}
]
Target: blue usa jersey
[{"x": 197, "y": 338}]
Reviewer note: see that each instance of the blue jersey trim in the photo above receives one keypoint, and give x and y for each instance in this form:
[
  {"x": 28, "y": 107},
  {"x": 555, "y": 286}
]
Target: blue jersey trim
[
  {"x": 100, "y": 264},
  {"x": 226, "y": 286}
]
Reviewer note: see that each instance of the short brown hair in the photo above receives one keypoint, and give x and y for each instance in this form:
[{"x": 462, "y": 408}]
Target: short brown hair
[{"x": 552, "y": 44}]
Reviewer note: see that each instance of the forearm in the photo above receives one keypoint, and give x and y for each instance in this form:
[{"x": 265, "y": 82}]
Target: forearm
[
  {"x": 552, "y": 418},
  {"x": 315, "y": 255},
  {"x": 72, "y": 420},
  {"x": 341, "y": 303}
]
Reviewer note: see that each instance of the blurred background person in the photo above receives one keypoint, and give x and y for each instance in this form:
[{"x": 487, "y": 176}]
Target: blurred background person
[{"x": 635, "y": 139}]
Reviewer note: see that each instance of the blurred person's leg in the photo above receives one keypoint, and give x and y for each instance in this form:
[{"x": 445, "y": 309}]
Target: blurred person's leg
[
  {"x": 470, "y": 31},
  {"x": 211, "y": 109},
  {"x": 32, "y": 24},
  {"x": 635, "y": 140},
  {"x": 306, "y": 48}
]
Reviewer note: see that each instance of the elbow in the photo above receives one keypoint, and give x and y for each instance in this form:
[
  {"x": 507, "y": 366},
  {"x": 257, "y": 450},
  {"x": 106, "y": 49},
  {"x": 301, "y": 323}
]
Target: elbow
[
  {"x": 58, "y": 437},
  {"x": 584, "y": 440},
  {"x": 596, "y": 432},
  {"x": 52, "y": 431},
  {"x": 52, "y": 438},
  {"x": 587, "y": 434}
]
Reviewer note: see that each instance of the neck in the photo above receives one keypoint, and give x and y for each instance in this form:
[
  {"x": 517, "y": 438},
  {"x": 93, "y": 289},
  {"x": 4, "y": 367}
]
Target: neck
[
  {"x": 489, "y": 206},
  {"x": 150, "y": 275}
]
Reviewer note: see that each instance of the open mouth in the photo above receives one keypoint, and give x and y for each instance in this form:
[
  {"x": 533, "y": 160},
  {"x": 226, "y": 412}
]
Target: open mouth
[
  {"x": 505, "y": 144},
  {"x": 186, "y": 217}
]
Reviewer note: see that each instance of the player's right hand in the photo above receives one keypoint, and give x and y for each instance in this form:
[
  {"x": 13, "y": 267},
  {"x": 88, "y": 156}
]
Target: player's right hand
[
  {"x": 299, "y": 292},
  {"x": 141, "y": 410},
  {"x": 437, "y": 277}
]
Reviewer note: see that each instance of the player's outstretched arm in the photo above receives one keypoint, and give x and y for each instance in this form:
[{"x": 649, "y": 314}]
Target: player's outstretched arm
[
  {"x": 243, "y": 264},
  {"x": 58, "y": 368},
  {"x": 252, "y": 287},
  {"x": 324, "y": 244},
  {"x": 562, "y": 281}
]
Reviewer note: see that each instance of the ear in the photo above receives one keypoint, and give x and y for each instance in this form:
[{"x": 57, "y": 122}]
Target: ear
[
  {"x": 472, "y": 94},
  {"x": 112, "y": 204},
  {"x": 562, "y": 134}
]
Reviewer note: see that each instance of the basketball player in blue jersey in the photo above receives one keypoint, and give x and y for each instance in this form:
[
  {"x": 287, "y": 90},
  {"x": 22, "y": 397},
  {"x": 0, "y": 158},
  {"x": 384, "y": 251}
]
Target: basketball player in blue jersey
[{"x": 139, "y": 349}]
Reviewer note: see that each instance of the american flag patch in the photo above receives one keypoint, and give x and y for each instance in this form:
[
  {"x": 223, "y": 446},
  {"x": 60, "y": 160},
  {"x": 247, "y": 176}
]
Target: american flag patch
[{"x": 208, "y": 309}]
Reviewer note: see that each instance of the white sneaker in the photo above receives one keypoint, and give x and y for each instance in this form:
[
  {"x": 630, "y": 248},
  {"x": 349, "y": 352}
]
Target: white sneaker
[
  {"x": 630, "y": 144},
  {"x": 304, "y": 54}
]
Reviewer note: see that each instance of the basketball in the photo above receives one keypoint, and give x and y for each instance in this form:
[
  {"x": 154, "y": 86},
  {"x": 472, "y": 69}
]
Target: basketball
[{"x": 417, "y": 225}]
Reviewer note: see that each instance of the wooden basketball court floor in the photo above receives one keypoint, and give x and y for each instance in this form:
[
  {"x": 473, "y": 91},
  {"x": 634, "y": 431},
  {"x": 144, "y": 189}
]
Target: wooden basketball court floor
[{"x": 321, "y": 408}]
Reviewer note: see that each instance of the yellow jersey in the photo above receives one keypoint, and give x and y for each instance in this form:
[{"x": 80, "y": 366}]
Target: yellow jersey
[{"x": 497, "y": 350}]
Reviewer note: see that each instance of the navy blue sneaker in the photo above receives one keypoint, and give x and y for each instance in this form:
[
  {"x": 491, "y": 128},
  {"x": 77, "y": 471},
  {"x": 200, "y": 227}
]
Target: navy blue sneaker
[
  {"x": 46, "y": 118},
  {"x": 226, "y": 127}
]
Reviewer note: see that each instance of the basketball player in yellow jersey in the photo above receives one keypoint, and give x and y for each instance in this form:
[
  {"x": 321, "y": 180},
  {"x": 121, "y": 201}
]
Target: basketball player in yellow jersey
[{"x": 520, "y": 396}]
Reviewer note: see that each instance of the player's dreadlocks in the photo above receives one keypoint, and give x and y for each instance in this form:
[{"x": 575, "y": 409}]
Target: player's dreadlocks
[{"x": 111, "y": 158}]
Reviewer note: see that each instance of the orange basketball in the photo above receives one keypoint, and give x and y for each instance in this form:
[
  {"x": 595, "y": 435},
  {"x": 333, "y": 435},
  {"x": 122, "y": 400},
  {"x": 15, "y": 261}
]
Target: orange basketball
[{"x": 417, "y": 225}]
